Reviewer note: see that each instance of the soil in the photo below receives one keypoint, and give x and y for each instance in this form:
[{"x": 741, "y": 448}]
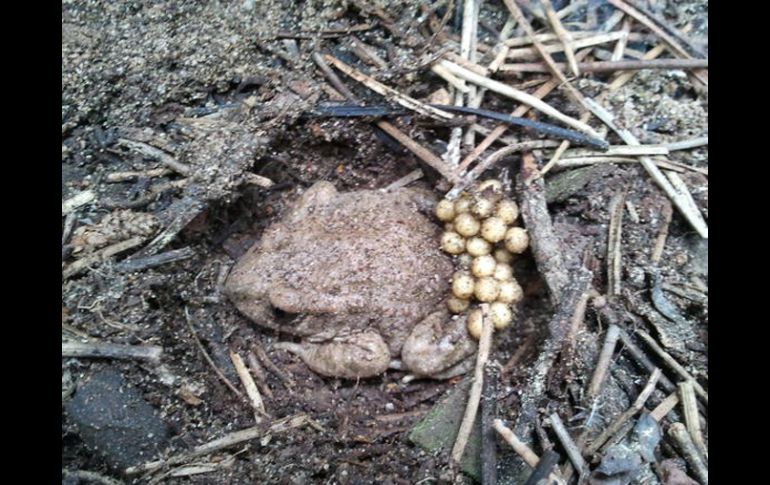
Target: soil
[{"x": 225, "y": 89}]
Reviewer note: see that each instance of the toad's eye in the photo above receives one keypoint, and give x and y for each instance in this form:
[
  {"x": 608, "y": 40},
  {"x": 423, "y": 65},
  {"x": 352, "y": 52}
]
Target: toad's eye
[{"x": 282, "y": 317}]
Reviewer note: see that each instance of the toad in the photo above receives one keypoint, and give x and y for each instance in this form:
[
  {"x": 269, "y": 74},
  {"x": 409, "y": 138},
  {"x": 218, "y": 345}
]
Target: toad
[{"x": 360, "y": 279}]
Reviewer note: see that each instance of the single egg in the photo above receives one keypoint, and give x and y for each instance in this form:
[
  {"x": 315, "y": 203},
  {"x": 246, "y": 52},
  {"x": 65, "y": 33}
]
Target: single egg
[
  {"x": 477, "y": 246},
  {"x": 490, "y": 189},
  {"x": 445, "y": 210},
  {"x": 463, "y": 285},
  {"x": 462, "y": 205},
  {"x": 483, "y": 266},
  {"x": 507, "y": 210},
  {"x": 510, "y": 292},
  {"x": 483, "y": 207},
  {"x": 452, "y": 243},
  {"x": 503, "y": 272},
  {"x": 493, "y": 229},
  {"x": 500, "y": 314},
  {"x": 490, "y": 184},
  {"x": 475, "y": 322},
  {"x": 486, "y": 289},
  {"x": 465, "y": 260},
  {"x": 516, "y": 240},
  {"x": 502, "y": 255},
  {"x": 466, "y": 225},
  {"x": 457, "y": 305}
]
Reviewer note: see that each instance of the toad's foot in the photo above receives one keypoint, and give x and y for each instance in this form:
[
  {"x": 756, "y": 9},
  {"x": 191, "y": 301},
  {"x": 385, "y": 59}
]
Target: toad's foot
[
  {"x": 438, "y": 346},
  {"x": 351, "y": 356}
]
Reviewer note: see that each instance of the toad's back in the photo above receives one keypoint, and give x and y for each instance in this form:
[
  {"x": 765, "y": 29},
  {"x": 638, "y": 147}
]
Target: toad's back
[{"x": 351, "y": 260}]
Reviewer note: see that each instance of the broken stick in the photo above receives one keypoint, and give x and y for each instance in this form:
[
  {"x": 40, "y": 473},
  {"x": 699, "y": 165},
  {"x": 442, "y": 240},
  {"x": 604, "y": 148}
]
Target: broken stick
[{"x": 150, "y": 353}]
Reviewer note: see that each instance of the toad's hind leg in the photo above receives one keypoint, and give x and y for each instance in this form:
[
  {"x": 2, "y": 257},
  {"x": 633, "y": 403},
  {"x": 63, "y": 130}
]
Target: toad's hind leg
[
  {"x": 438, "y": 347},
  {"x": 361, "y": 354}
]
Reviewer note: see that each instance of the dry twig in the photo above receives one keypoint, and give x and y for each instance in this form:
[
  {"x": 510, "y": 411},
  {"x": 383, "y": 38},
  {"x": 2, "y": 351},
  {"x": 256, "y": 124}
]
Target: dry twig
[
  {"x": 546, "y": 247},
  {"x": 407, "y": 179},
  {"x": 564, "y": 36},
  {"x": 366, "y": 53},
  {"x": 208, "y": 358},
  {"x": 100, "y": 256},
  {"x": 559, "y": 325},
  {"x": 323, "y": 34},
  {"x": 665, "y": 407},
  {"x": 692, "y": 418},
  {"x": 466, "y": 426},
  {"x": 552, "y": 67},
  {"x": 501, "y": 48},
  {"x": 69, "y": 225},
  {"x": 232, "y": 439},
  {"x": 77, "y": 200},
  {"x": 518, "y": 95},
  {"x": 286, "y": 379},
  {"x": 687, "y": 144},
  {"x": 682, "y": 200},
  {"x": 259, "y": 374},
  {"x": 681, "y": 437},
  {"x": 614, "y": 240},
  {"x": 250, "y": 386},
  {"x": 620, "y": 47},
  {"x": 140, "y": 264},
  {"x": 620, "y": 151},
  {"x": 673, "y": 364},
  {"x": 453, "y": 80},
  {"x": 132, "y": 175},
  {"x": 540, "y": 93},
  {"x": 626, "y": 415},
  {"x": 150, "y": 353},
  {"x": 573, "y": 452},
  {"x": 672, "y": 43},
  {"x": 489, "y": 162},
  {"x": 619, "y": 81},
  {"x": 611, "y": 66},
  {"x": 423, "y": 153},
  {"x": 90, "y": 477},
  {"x": 547, "y": 37},
  {"x": 660, "y": 240},
  {"x": 189, "y": 209},
  {"x": 376, "y": 86},
  {"x": 605, "y": 357},
  {"x": 521, "y": 448},
  {"x": 531, "y": 52},
  {"x": 641, "y": 358},
  {"x": 158, "y": 154},
  {"x": 258, "y": 180}
]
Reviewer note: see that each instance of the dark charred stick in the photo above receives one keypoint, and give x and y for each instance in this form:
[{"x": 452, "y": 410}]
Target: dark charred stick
[
  {"x": 538, "y": 126},
  {"x": 488, "y": 435},
  {"x": 546, "y": 246},
  {"x": 139, "y": 264},
  {"x": 545, "y": 466},
  {"x": 558, "y": 330}
]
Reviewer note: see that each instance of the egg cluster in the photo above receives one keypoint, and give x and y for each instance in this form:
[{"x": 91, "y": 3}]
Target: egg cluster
[{"x": 480, "y": 232}]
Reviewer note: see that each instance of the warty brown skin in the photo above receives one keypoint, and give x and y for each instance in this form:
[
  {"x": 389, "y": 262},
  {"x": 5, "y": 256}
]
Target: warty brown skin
[{"x": 359, "y": 276}]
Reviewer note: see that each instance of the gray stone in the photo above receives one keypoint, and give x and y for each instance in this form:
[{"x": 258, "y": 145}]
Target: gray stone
[
  {"x": 646, "y": 436},
  {"x": 438, "y": 430},
  {"x": 699, "y": 256},
  {"x": 565, "y": 184},
  {"x": 115, "y": 421}
]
